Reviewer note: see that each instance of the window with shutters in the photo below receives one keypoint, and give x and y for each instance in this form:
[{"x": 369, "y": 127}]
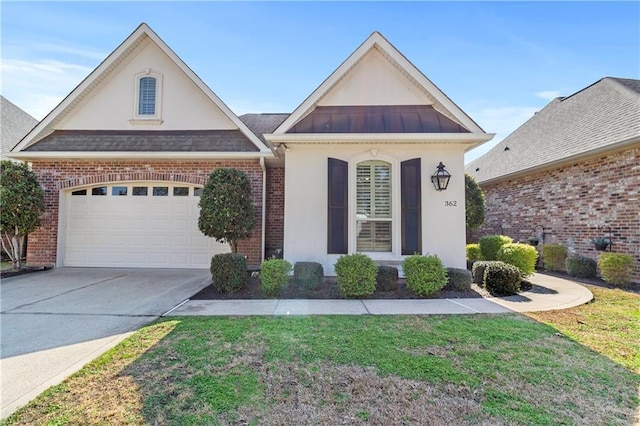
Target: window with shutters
[
  {"x": 374, "y": 218},
  {"x": 148, "y": 98}
]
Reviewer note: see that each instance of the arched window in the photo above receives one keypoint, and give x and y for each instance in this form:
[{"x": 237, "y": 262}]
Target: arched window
[
  {"x": 147, "y": 92},
  {"x": 373, "y": 206}
]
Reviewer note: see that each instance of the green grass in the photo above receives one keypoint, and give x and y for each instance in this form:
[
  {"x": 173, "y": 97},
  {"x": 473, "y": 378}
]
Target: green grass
[{"x": 493, "y": 369}]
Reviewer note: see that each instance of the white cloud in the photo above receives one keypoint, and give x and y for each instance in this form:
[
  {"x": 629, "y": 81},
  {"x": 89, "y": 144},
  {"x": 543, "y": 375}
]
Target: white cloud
[
  {"x": 501, "y": 121},
  {"x": 548, "y": 95},
  {"x": 38, "y": 86}
]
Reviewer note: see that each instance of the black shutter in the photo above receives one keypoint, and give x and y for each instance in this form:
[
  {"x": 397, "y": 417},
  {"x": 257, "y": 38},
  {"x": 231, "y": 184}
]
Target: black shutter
[
  {"x": 337, "y": 207},
  {"x": 411, "y": 200}
]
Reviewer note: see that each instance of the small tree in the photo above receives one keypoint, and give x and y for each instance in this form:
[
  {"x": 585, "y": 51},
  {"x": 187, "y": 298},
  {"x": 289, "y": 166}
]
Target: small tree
[
  {"x": 226, "y": 210},
  {"x": 22, "y": 203},
  {"x": 474, "y": 203}
]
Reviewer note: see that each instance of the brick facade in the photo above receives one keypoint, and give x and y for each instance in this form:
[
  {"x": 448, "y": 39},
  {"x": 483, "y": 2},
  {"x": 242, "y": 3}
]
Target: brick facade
[
  {"x": 572, "y": 202},
  {"x": 56, "y": 175},
  {"x": 274, "y": 230}
]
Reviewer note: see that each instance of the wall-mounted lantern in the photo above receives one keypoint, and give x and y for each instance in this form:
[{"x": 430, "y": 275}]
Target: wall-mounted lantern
[{"x": 440, "y": 178}]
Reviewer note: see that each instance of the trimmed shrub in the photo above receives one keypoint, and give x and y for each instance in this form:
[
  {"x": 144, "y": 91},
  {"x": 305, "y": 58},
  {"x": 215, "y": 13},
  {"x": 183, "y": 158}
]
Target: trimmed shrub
[
  {"x": 490, "y": 244},
  {"x": 424, "y": 275},
  {"x": 458, "y": 279},
  {"x": 616, "y": 268},
  {"x": 502, "y": 279},
  {"x": 387, "y": 278},
  {"x": 229, "y": 272},
  {"x": 554, "y": 257},
  {"x": 473, "y": 252},
  {"x": 522, "y": 256},
  {"x": 274, "y": 275},
  {"x": 356, "y": 275},
  {"x": 308, "y": 275},
  {"x": 477, "y": 271},
  {"x": 581, "y": 266}
]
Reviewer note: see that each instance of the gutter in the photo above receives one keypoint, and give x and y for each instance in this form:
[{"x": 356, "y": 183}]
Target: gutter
[
  {"x": 264, "y": 204},
  {"x": 608, "y": 150}
]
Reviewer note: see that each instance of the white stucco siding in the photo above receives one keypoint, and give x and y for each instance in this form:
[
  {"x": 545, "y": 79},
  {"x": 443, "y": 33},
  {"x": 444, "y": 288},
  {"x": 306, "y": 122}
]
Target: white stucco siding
[
  {"x": 110, "y": 106},
  {"x": 375, "y": 81},
  {"x": 305, "y": 233}
]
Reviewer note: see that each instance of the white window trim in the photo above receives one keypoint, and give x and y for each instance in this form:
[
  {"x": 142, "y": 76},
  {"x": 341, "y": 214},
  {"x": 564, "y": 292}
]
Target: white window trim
[
  {"x": 147, "y": 119},
  {"x": 396, "y": 238}
]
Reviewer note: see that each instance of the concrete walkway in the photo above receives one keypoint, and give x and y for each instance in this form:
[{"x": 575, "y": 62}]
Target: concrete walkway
[{"x": 548, "y": 293}]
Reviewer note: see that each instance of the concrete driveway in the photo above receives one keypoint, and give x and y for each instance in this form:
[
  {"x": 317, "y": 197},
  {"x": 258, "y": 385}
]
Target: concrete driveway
[{"x": 54, "y": 322}]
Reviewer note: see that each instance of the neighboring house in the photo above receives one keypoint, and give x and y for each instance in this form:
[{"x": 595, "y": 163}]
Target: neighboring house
[
  {"x": 123, "y": 157},
  {"x": 14, "y": 124},
  {"x": 573, "y": 168}
]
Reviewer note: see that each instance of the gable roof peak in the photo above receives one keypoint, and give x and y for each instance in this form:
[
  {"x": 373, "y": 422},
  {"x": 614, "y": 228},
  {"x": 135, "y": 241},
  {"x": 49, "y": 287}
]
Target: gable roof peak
[
  {"x": 439, "y": 99},
  {"x": 112, "y": 62}
]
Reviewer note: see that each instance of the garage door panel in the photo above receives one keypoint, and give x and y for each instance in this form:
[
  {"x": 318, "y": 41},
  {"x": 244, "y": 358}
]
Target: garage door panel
[{"x": 136, "y": 231}]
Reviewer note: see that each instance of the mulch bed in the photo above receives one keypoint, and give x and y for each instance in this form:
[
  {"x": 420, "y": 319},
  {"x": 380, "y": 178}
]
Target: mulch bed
[{"x": 329, "y": 290}]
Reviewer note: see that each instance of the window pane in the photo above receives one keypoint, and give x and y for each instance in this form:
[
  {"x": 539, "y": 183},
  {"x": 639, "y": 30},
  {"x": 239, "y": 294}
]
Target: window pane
[
  {"x": 373, "y": 190},
  {"x": 79, "y": 192},
  {"x": 181, "y": 191},
  {"x": 160, "y": 191},
  {"x": 119, "y": 190},
  {"x": 101, "y": 190},
  {"x": 139, "y": 190},
  {"x": 373, "y": 236},
  {"x": 147, "y": 96},
  {"x": 197, "y": 192}
]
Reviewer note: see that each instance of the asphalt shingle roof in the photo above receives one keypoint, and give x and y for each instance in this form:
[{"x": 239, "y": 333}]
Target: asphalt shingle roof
[
  {"x": 160, "y": 141},
  {"x": 263, "y": 123},
  {"x": 14, "y": 124},
  {"x": 600, "y": 116}
]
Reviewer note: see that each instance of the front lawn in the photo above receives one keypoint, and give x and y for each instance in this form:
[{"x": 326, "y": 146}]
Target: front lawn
[{"x": 482, "y": 369}]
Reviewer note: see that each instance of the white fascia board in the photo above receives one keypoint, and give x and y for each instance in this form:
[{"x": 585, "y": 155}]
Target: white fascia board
[
  {"x": 377, "y": 39},
  {"x": 329, "y": 82},
  {"x": 207, "y": 91},
  {"x": 302, "y": 138},
  {"x": 143, "y": 29},
  {"x": 80, "y": 88},
  {"x": 135, "y": 155},
  {"x": 608, "y": 150}
]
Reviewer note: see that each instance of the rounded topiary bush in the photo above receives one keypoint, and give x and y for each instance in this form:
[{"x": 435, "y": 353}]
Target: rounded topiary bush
[
  {"x": 616, "y": 268},
  {"x": 387, "y": 278},
  {"x": 490, "y": 244},
  {"x": 274, "y": 275},
  {"x": 308, "y": 275},
  {"x": 477, "y": 271},
  {"x": 229, "y": 272},
  {"x": 554, "y": 257},
  {"x": 458, "y": 279},
  {"x": 581, "y": 267},
  {"x": 356, "y": 275},
  {"x": 424, "y": 275},
  {"x": 522, "y": 256},
  {"x": 502, "y": 279},
  {"x": 473, "y": 252}
]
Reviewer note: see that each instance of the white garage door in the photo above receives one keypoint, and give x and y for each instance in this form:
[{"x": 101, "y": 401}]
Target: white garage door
[{"x": 150, "y": 225}]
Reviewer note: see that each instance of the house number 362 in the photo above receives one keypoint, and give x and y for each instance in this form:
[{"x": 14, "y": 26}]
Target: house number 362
[{"x": 450, "y": 203}]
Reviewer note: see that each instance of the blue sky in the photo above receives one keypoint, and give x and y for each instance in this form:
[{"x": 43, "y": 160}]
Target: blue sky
[{"x": 499, "y": 61}]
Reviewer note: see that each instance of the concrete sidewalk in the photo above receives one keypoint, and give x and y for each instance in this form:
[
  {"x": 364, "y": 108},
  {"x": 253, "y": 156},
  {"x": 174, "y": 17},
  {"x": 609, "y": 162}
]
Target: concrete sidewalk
[{"x": 548, "y": 293}]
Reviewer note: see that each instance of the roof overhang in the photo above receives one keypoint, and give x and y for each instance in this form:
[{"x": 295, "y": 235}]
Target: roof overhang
[
  {"x": 135, "y": 155},
  {"x": 606, "y": 150},
  {"x": 471, "y": 140}
]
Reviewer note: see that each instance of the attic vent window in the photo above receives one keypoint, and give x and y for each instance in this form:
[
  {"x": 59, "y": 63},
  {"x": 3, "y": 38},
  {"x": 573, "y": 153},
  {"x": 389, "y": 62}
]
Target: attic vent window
[
  {"x": 147, "y": 108},
  {"x": 147, "y": 96}
]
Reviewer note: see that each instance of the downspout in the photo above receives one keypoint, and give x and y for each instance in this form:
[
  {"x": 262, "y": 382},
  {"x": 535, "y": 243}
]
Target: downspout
[{"x": 264, "y": 203}]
